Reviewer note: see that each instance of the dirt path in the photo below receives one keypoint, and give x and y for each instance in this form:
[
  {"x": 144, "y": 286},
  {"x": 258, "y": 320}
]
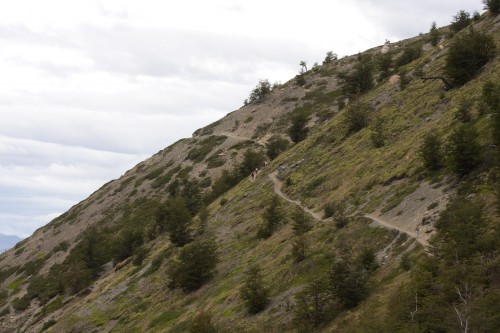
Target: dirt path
[
  {"x": 230, "y": 135},
  {"x": 277, "y": 189},
  {"x": 383, "y": 223},
  {"x": 377, "y": 219}
]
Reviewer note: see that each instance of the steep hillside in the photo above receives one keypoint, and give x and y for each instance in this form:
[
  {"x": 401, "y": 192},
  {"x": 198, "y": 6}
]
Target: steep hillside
[{"x": 318, "y": 197}]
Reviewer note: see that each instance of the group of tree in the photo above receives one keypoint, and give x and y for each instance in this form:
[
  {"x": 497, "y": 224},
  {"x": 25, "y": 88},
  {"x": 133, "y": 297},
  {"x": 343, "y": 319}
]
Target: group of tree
[
  {"x": 260, "y": 92},
  {"x": 272, "y": 218},
  {"x": 463, "y": 151},
  {"x": 344, "y": 286}
]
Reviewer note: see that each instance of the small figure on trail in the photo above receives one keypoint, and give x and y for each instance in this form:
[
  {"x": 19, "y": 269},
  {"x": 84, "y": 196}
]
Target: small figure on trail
[
  {"x": 265, "y": 163},
  {"x": 417, "y": 231}
]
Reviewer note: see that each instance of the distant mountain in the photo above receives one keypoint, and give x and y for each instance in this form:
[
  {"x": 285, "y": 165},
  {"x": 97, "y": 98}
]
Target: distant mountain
[{"x": 7, "y": 241}]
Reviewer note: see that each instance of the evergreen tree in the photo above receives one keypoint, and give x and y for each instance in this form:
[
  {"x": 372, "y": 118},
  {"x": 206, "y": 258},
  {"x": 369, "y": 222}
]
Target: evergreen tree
[
  {"x": 431, "y": 152},
  {"x": 275, "y": 146},
  {"x": 258, "y": 94},
  {"x": 356, "y": 116},
  {"x": 299, "y": 248},
  {"x": 298, "y": 130},
  {"x": 202, "y": 323},
  {"x": 492, "y": 5},
  {"x": 253, "y": 292},
  {"x": 329, "y": 58},
  {"x": 461, "y": 20},
  {"x": 360, "y": 79},
  {"x": 272, "y": 218},
  {"x": 175, "y": 218},
  {"x": 434, "y": 34},
  {"x": 468, "y": 52},
  {"x": 314, "y": 305},
  {"x": 464, "y": 150},
  {"x": 195, "y": 265},
  {"x": 301, "y": 221}
]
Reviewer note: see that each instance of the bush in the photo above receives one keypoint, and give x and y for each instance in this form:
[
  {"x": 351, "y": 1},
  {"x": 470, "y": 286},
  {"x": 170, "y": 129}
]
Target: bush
[
  {"x": 464, "y": 150},
  {"x": 298, "y": 130},
  {"x": 276, "y": 146},
  {"x": 258, "y": 94},
  {"x": 22, "y": 303},
  {"x": 431, "y": 152},
  {"x": 195, "y": 265},
  {"x": 492, "y": 5},
  {"x": 272, "y": 218},
  {"x": 253, "y": 292},
  {"x": 301, "y": 221},
  {"x": 328, "y": 210},
  {"x": 360, "y": 79},
  {"x": 252, "y": 160},
  {"x": 433, "y": 34},
  {"x": 356, "y": 116},
  {"x": 202, "y": 323},
  {"x": 175, "y": 218},
  {"x": 410, "y": 53},
  {"x": 461, "y": 20},
  {"x": 340, "y": 216},
  {"x": 314, "y": 305},
  {"x": 378, "y": 135},
  {"x": 299, "y": 248},
  {"x": 467, "y": 54}
]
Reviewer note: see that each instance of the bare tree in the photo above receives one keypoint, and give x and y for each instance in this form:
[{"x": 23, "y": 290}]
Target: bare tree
[
  {"x": 463, "y": 314},
  {"x": 304, "y": 66}
]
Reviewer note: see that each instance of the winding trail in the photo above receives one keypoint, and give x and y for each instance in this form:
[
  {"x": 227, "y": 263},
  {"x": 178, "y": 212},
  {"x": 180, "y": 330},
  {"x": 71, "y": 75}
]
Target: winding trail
[
  {"x": 278, "y": 184},
  {"x": 385, "y": 224}
]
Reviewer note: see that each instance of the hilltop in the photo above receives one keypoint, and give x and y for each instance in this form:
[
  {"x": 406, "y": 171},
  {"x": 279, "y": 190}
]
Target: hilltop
[{"x": 297, "y": 212}]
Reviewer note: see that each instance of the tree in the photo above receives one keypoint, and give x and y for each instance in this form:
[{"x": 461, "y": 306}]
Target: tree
[
  {"x": 175, "y": 218},
  {"x": 348, "y": 280},
  {"x": 330, "y": 57},
  {"x": 253, "y": 292},
  {"x": 431, "y": 152},
  {"x": 360, "y": 79},
  {"x": 340, "y": 215},
  {"x": 304, "y": 67},
  {"x": 195, "y": 265},
  {"x": 252, "y": 160},
  {"x": 275, "y": 146},
  {"x": 301, "y": 221},
  {"x": 464, "y": 150},
  {"x": 298, "y": 130},
  {"x": 258, "y": 94},
  {"x": 468, "y": 52},
  {"x": 461, "y": 20},
  {"x": 492, "y": 5},
  {"x": 434, "y": 34},
  {"x": 356, "y": 116},
  {"x": 272, "y": 218},
  {"x": 384, "y": 65},
  {"x": 314, "y": 305}
]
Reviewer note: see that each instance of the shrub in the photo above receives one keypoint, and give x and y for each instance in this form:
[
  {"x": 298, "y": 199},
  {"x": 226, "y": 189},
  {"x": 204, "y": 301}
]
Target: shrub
[
  {"x": 202, "y": 323},
  {"x": 298, "y": 130},
  {"x": 301, "y": 221},
  {"x": 328, "y": 210},
  {"x": 492, "y": 5},
  {"x": 468, "y": 52},
  {"x": 272, "y": 218},
  {"x": 340, "y": 216},
  {"x": 253, "y": 292},
  {"x": 464, "y": 150},
  {"x": 276, "y": 146},
  {"x": 314, "y": 305},
  {"x": 252, "y": 159},
  {"x": 433, "y": 34},
  {"x": 410, "y": 53},
  {"x": 195, "y": 265},
  {"x": 431, "y": 152},
  {"x": 463, "y": 111},
  {"x": 22, "y": 303},
  {"x": 258, "y": 94},
  {"x": 378, "y": 135},
  {"x": 329, "y": 58},
  {"x": 461, "y": 20},
  {"x": 175, "y": 218},
  {"x": 360, "y": 79},
  {"x": 356, "y": 116},
  {"x": 299, "y": 248}
]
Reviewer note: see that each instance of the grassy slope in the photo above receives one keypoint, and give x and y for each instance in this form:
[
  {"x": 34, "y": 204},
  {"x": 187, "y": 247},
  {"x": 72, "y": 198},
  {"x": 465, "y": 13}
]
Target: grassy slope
[{"x": 332, "y": 168}]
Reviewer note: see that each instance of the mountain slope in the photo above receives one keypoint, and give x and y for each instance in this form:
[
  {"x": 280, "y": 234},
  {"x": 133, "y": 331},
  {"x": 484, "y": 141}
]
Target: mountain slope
[{"x": 106, "y": 265}]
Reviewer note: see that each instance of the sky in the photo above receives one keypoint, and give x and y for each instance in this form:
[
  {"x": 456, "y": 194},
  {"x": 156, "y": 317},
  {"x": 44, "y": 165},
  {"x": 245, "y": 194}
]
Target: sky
[{"x": 90, "y": 88}]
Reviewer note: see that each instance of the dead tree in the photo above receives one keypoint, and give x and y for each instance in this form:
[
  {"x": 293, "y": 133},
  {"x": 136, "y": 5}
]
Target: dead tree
[{"x": 447, "y": 85}]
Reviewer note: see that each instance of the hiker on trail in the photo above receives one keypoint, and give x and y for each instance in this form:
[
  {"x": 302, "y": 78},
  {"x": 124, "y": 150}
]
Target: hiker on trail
[
  {"x": 417, "y": 231},
  {"x": 265, "y": 163}
]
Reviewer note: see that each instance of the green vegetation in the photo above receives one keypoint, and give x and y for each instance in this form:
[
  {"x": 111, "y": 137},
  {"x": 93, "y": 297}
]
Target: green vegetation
[
  {"x": 202, "y": 323},
  {"x": 434, "y": 34},
  {"x": 258, "y": 94},
  {"x": 467, "y": 54},
  {"x": 492, "y": 5},
  {"x": 195, "y": 265},
  {"x": 272, "y": 218},
  {"x": 431, "y": 152},
  {"x": 275, "y": 146},
  {"x": 464, "y": 150},
  {"x": 460, "y": 21},
  {"x": 253, "y": 292}
]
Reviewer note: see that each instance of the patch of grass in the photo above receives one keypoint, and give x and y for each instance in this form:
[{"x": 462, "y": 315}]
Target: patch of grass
[
  {"x": 433, "y": 205},
  {"x": 53, "y": 306},
  {"x": 14, "y": 285},
  {"x": 164, "y": 318},
  {"x": 248, "y": 119}
]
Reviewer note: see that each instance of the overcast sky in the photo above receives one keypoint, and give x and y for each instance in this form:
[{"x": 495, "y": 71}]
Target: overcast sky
[{"x": 90, "y": 88}]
